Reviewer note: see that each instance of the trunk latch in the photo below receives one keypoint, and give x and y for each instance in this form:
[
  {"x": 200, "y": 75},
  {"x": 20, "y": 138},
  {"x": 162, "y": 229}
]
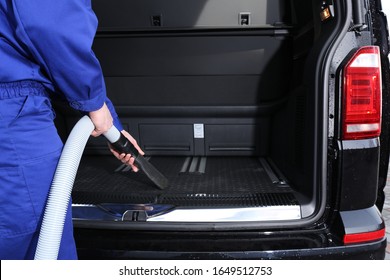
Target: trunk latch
[{"x": 135, "y": 216}]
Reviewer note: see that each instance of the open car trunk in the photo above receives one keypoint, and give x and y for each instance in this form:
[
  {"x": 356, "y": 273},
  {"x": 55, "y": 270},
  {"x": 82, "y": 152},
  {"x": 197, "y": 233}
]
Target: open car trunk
[
  {"x": 202, "y": 189},
  {"x": 221, "y": 99}
]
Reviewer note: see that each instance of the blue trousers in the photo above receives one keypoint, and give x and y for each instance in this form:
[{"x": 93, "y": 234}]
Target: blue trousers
[{"x": 29, "y": 151}]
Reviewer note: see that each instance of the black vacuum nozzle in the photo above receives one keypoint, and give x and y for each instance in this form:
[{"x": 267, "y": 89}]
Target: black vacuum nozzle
[{"x": 123, "y": 145}]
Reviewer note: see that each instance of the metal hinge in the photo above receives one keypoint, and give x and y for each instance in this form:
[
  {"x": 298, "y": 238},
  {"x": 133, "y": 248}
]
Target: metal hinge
[{"x": 359, "y": 16}]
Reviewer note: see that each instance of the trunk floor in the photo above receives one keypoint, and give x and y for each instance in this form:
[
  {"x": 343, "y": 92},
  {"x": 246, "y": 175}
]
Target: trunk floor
[{"x": 193, "y": 181}]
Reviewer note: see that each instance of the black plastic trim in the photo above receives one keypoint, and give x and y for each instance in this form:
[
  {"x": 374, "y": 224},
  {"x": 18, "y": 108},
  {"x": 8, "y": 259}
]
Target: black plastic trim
[
  {"x": 190, "y": 32},
  {"x": 201, "y": 111}
]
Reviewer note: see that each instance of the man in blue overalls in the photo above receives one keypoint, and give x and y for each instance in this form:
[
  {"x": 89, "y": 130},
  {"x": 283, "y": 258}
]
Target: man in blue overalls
[{"x": 45, "y": 49}]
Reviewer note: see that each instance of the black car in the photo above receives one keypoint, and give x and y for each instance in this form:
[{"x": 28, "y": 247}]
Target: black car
[{"x": 270, "y": 120}]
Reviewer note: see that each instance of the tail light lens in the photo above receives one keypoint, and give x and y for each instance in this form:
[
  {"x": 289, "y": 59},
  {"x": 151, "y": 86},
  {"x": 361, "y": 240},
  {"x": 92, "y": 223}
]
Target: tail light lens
[
  {"x": 364, "y": 236},
  {"x": 362, "y": 95}
]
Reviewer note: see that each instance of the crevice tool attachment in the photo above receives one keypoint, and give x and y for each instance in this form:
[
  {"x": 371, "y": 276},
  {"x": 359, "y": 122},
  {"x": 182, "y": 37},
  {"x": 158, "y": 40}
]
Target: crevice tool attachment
[{"x": 122, "y": 145}]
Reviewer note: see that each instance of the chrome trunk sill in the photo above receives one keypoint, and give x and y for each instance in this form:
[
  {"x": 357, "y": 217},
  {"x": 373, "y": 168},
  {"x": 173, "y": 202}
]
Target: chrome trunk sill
[{"x": 168, "y": 213}]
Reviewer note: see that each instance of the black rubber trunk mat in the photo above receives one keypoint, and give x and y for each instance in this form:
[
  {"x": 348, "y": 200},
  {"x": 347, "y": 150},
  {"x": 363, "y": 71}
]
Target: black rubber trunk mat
[{"x": 212, "y": 181}]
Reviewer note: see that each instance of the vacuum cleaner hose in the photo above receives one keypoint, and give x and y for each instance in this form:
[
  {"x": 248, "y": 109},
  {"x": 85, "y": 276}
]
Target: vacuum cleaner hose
[{"x": 61, "y": 188}]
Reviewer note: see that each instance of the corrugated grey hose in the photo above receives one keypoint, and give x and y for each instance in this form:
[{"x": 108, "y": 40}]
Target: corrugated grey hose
[{"x": 61, "y": 188}]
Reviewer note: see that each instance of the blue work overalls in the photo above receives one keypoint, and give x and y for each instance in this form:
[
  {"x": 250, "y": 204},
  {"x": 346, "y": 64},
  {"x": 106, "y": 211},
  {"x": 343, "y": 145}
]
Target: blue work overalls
[{"x": 45, "y": 49}]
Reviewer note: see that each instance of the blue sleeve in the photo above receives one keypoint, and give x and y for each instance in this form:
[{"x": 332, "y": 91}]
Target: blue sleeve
[
  {"x": 117, "y": 122},
  {"x": 59, "y": 34}
]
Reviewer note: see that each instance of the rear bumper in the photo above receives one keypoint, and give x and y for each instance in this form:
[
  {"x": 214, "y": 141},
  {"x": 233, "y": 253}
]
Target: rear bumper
[
  {"x": 106, "y": 244},
  {"x": 143, "y": 240}
]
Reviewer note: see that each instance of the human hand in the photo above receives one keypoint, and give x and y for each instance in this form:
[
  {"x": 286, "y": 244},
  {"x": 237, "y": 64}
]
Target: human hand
[
  {"x": 128, "y": 159},
  {"x": 101, "y": 119}
]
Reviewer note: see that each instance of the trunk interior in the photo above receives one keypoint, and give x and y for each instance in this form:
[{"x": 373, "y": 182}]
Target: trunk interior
[{"x": 215, "y": 95}]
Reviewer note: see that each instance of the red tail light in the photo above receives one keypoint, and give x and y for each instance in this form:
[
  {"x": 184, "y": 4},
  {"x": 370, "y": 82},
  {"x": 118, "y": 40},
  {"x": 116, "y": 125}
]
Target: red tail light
[
  {"x": 364, "y": 236},
  {"x": 362, "y": 95}
]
